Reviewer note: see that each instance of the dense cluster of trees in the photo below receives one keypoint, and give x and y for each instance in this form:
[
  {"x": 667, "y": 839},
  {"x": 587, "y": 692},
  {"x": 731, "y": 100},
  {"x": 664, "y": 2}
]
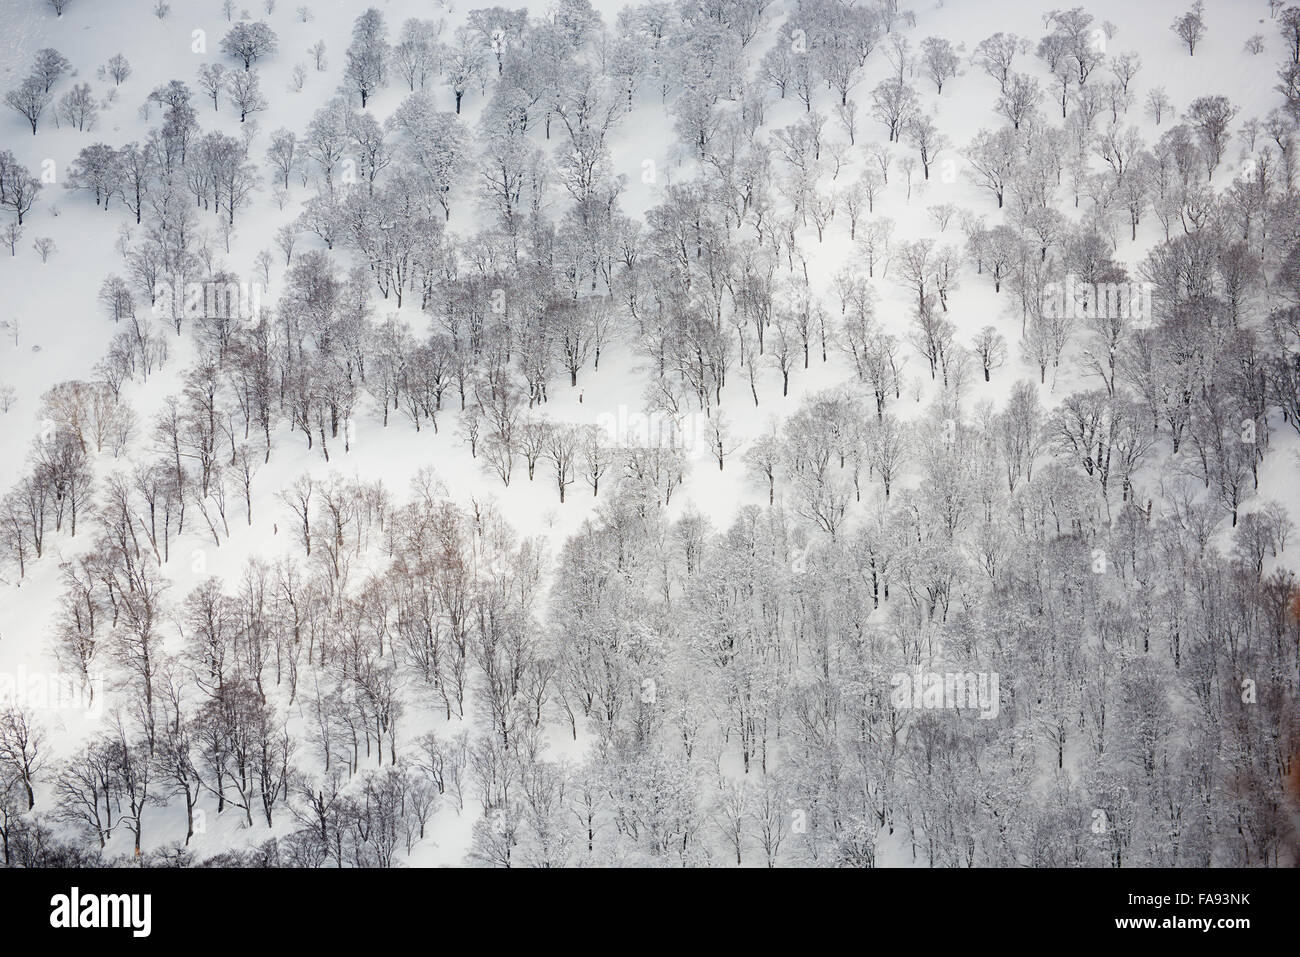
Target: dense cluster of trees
[{"x": 1104, "y": 553}]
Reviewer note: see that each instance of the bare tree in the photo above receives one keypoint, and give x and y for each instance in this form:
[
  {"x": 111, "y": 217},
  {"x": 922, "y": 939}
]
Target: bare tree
[{"x": 249, "y": 42}]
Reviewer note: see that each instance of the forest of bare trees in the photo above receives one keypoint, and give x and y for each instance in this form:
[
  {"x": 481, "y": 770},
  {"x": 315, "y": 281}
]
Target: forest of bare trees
[{"x": 666, "y": 685}]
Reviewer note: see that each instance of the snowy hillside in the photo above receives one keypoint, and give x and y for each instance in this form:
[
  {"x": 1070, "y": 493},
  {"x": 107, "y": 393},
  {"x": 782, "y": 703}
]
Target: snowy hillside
[{"x": 727, "y": 432}]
